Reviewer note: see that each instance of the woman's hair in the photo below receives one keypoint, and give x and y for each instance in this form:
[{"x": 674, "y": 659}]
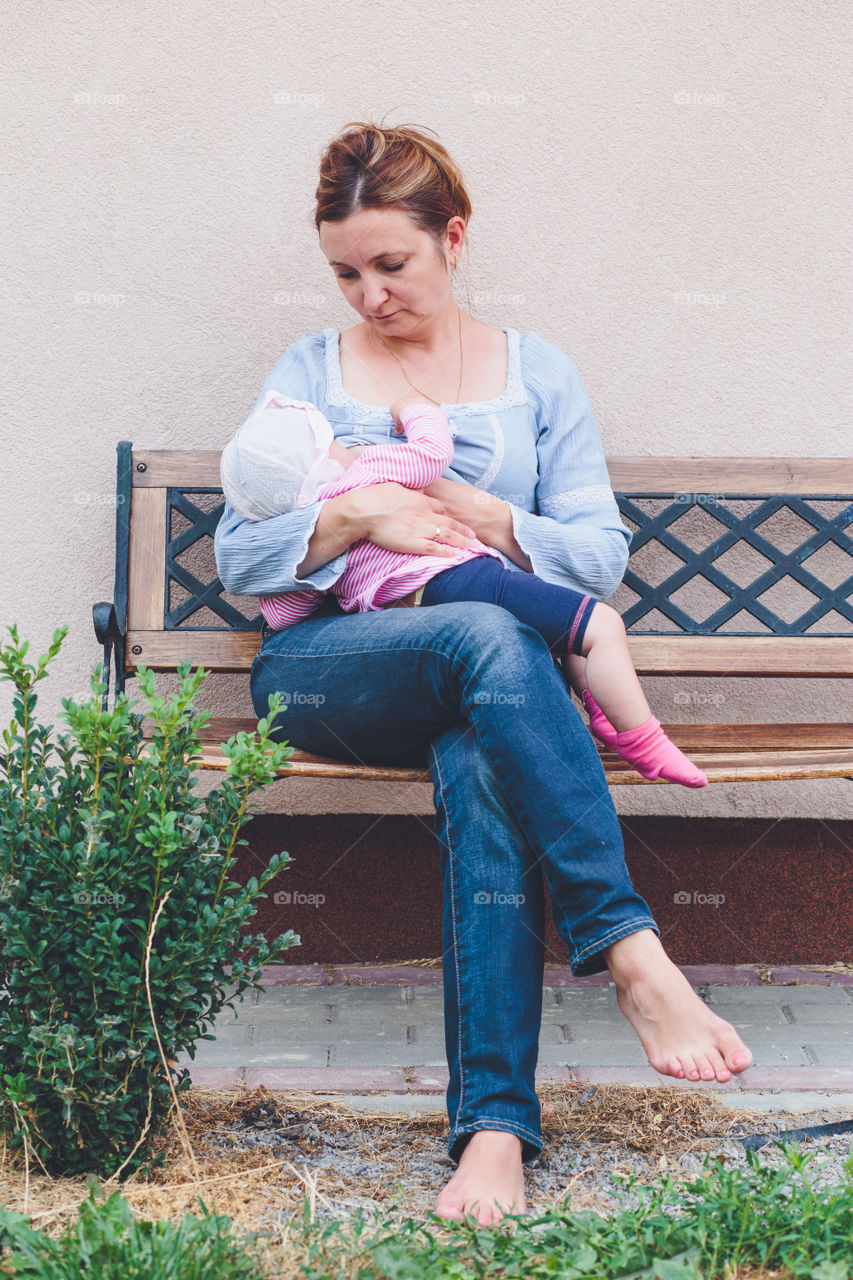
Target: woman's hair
[{"x": 368, "y": 167}]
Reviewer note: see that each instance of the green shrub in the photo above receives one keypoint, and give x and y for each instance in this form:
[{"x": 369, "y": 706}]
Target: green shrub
[
  {"x": 115, "y": 901},
  {"x": 108, "y": 1243}
]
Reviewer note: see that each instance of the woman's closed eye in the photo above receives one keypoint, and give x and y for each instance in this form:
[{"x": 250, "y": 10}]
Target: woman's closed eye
[{"x": 348, "y": 275}]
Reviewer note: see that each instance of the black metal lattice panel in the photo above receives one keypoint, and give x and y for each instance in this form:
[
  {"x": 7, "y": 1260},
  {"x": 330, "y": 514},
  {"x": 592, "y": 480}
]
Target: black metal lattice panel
[
  {"x": 199, "y": 594},
  {"x": 741, "y": 530}
]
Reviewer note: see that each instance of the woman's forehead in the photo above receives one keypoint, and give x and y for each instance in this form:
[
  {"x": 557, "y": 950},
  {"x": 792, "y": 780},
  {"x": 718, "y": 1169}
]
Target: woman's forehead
[{"x": 368, "y": 235}]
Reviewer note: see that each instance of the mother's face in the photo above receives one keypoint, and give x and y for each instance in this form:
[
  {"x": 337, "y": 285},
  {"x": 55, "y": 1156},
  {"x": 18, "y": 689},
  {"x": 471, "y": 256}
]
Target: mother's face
[{"x": 389, "y": 270}]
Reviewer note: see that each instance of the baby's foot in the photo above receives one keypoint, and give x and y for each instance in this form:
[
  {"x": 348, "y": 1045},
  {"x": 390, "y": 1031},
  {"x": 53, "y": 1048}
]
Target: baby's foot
[
  {"x": 598, "y": 722},
  {"x": 655, "y": 755}
]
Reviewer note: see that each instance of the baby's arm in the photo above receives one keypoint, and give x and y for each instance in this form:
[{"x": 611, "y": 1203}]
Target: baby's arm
[{"x": 426, "y": 455}]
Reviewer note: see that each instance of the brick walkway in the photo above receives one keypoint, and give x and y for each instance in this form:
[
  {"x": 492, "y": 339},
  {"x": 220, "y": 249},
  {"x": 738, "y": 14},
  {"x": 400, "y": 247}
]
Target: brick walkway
[{"x": 362, "y": 1028}]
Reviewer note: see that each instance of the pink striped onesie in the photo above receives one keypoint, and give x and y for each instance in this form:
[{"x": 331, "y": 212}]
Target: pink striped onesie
[{"x": 375, "y": 576}]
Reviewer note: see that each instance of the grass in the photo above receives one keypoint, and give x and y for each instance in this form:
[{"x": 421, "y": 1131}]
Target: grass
[
  {"x": 752, "y": 1222},
  {"x": 749, "y": 1223},
  {"x": 771, "y": 1218}
]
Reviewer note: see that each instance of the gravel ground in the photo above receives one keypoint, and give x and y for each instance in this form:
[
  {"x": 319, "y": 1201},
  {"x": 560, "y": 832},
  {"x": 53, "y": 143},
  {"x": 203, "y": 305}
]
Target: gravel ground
[{"x": 362, "y": 1163}]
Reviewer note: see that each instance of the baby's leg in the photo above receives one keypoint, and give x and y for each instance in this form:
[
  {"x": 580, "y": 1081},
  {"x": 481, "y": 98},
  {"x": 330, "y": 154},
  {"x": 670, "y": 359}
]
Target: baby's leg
[
  {"x": 574, "y": 669},
  {"x": 609, "y": 672},
  {"x": 618, "y": 698}
]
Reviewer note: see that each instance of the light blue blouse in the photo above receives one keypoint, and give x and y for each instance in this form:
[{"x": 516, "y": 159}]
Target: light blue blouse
[{"x": 536, "y": 446}]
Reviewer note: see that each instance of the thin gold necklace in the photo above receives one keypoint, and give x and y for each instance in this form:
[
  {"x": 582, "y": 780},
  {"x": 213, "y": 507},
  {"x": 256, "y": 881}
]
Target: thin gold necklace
[{"x": 408, "y": 379}]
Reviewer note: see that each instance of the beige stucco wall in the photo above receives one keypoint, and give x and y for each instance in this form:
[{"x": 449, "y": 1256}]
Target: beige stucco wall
[{"x": 657, "y": 188}]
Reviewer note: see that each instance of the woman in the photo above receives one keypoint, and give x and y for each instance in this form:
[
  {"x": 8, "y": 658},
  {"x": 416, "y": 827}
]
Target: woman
[{"x": 519, "y": 787}]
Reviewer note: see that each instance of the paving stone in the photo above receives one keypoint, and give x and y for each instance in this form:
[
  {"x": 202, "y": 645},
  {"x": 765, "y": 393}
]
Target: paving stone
[
  {"x": 229, "y": 1032},
  {"x": 788, "y": 1100},
  {"x": 218, "y": 1055},
  {"x": 313, "y": 997},
  {"x": 813, "y": 1020},
  {"x": 647, "y": 1075},
  {"x": 306, "y": 1055},
  {"x": 617, "y": 1075},
  {"x": 804, "y": 1077},
  {"x": 760, "y": 997},
  {"x": 593, "y": 1054},
  {"x": 433, "y": 1079},
  {"x": 556, "y": 976},
  {"x": 340, "y": 1078},
  {"x": 595, "y": 1001},
  {"x": 216, "y": 1077},
  {"x": 813, "y": 977},
  {"x": 728, "y": 975},
  {"x": 361, "y": 1053},
  {"x": 832, "y": 1055},
  {"x": 775, "y": 1055},
  {"x": 408, "y": 975},
  {"x": 274, "y": 975},
  {"x": 593, "y": 1028}
]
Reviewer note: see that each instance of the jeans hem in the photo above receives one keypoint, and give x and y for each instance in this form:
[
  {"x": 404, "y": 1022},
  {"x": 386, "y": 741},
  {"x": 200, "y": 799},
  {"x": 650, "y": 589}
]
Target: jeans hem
[
  {"x": 587, "y": 960},
  {"x": 531, "y": 1143}
]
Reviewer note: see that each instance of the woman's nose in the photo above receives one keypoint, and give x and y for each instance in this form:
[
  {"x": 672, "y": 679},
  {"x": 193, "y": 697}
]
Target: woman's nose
[{"x": 374, "y": 296}]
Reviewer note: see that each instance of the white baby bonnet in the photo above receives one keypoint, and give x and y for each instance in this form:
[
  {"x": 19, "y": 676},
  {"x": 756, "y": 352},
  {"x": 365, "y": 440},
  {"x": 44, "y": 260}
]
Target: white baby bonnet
[{"x": 279, "y": 458}]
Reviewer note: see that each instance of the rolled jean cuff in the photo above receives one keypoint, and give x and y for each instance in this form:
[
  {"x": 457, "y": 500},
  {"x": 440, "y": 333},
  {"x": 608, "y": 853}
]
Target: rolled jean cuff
[
  {"x": 531, "y": 1143},
  {"x": 588, "y": 959}
]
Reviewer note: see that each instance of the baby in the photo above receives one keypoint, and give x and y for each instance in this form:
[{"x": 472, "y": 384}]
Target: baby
[{"x": 285, "y": 456}]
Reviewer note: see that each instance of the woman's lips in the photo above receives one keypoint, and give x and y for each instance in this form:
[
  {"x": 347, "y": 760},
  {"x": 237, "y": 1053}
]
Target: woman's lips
[{"x": 389, "y": 316}]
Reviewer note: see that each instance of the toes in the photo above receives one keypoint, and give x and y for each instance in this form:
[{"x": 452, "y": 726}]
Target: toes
[
  {"x": 740, "y": 1061},
  {"x": 734, "y": 1052},
  {"x": 709, "y": 1064},
  {"x": 669, "y": 1067},
  {"x": 718, "y": 1068},
  {"x": 690, "y": 1068},
  {"x": 453, "y": 1214}
]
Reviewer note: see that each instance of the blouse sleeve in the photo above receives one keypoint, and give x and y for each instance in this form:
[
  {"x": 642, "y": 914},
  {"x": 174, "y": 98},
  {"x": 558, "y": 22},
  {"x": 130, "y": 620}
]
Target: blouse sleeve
[
  {"x": 576, "y": 538},
  {"x": 260, "y": 558}
]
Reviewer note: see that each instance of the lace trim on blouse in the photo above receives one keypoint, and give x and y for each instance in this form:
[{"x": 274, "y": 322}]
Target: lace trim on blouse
[
  {"x": 513, "y": 394},
  {"x": 585, "y": 496}
]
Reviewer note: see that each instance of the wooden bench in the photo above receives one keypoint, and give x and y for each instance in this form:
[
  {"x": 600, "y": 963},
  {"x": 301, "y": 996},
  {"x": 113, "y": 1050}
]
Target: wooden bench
[{"x": 739, "y": 567}]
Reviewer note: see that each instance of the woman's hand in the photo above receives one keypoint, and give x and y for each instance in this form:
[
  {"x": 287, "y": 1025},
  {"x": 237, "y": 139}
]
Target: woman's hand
[
  {"x": 476, "y": 508},
  {"x": 401, "y": 519},
  {"x": 488, "y": 516}
]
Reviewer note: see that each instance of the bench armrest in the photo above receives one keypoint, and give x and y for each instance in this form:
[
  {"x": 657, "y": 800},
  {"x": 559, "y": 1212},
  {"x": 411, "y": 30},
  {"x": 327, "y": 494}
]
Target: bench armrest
[{"x": 109, "y": 634}]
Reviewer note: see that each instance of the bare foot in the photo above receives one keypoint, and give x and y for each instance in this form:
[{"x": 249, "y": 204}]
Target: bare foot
[
  {"x": 489, "y": 1169},
  {"x": 682, "y": 1037}
]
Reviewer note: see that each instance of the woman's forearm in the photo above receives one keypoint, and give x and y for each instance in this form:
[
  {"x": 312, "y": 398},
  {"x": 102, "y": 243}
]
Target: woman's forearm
[{"x": 336, "y": 530}]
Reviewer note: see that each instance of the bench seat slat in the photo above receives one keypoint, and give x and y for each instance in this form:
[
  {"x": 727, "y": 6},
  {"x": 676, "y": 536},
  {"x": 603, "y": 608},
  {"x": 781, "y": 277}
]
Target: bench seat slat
[
  {"x": 726, "y": 767},
  {"x": 689, "y": 737},
  {"x": 664, "y": 655},
  {"x": 642, "y": 473},
  {"x": 727, "y": 753}
]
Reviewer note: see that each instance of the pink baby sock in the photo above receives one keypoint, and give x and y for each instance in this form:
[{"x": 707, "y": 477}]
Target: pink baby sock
[
  {"x": 598, "y": 722},
  {"x": 654, "y": 755}
]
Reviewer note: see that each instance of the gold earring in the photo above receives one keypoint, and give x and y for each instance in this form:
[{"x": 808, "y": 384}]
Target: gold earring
[{"x": 453, "y": 262}]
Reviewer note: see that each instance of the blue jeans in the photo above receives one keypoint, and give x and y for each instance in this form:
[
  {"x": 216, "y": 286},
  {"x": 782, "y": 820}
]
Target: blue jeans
[{"x": 472, "y": 693}]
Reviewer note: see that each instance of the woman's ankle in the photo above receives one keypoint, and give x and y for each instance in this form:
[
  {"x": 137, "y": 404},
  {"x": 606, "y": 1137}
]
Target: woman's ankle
[{"x": 630, "y": 958}]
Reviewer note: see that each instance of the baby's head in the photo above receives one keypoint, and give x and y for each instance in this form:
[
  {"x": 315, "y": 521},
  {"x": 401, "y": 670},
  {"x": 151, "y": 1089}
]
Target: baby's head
[{"x": 280, "y": 458}]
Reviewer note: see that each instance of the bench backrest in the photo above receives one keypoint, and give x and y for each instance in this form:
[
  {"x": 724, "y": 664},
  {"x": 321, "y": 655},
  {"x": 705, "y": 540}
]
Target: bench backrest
[{"x": 738, "y": 566}]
